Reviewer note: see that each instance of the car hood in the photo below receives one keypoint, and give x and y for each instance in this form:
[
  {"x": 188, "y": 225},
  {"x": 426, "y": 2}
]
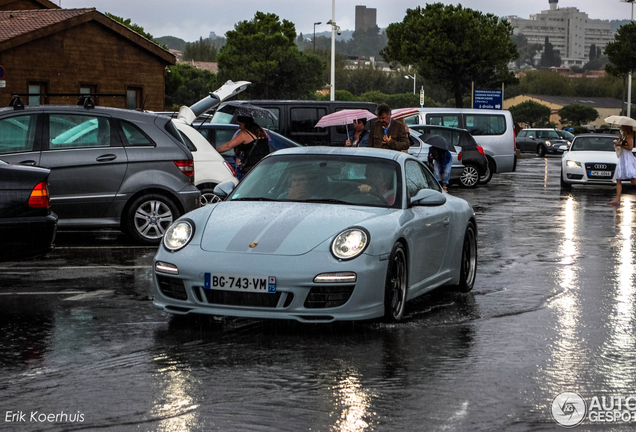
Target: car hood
[
  {"x": 278, "y": 228},
  {"x": 591, "y": 156}
]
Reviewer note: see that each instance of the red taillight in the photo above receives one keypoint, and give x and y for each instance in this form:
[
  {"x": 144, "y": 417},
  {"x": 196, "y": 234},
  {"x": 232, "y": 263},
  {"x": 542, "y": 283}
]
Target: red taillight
[
  {"x": 228, "y": 166},
  {"x": 186, "y": 167},
  {"x": 480, "y": 149},
  {"x": 459, "y": 156},
  {"x": 40, "y": 196}
]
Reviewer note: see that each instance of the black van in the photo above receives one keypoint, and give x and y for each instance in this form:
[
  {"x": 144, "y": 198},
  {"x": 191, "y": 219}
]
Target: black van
[{"x": 296, "y": 119}]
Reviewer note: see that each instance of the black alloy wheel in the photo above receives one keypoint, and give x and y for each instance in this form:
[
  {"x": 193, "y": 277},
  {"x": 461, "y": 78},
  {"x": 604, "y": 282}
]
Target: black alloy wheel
[{"x": 396, "y": 285}]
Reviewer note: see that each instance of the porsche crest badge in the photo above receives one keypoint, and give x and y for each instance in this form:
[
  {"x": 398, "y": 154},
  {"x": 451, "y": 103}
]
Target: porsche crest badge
[{"x": 253, "y": 245}]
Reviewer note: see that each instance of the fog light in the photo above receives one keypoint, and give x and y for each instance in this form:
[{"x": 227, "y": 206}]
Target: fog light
[
  {"x": 162, "y": 267},
  {"x": 339, "y": 277}
]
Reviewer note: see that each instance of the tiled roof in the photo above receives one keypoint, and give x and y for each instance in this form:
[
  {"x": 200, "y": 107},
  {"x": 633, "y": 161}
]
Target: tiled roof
[
  {"x": 208, "y": 66},
  {"x": 17, "y": 23}
]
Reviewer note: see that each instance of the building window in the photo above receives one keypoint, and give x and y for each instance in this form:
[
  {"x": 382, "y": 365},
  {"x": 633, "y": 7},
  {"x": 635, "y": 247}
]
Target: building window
[
  {"x": 37, "y": 90},
  {"x": 133, "y": 97}
]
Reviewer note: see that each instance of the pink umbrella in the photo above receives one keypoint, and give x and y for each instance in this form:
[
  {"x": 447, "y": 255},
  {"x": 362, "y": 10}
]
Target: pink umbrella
[
  {"x": 344, "y": 117},
  {"x": 404, "y": 113}
]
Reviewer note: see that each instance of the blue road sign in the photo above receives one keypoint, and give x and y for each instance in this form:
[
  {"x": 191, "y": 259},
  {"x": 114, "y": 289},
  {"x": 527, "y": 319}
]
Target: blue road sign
[{"x": 488, "y": 99}]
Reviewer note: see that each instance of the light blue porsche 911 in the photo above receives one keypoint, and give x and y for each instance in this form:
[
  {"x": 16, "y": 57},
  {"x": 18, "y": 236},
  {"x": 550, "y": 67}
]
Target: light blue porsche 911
[{"x": 319, "y": 234}]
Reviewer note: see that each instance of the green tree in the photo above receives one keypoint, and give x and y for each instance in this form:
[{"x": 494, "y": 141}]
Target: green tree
[
  {"x": 201, "y": 50},
  {"x": 621, "y": 54},
  {"x": 550, "y": 57},
  {"x": 577, "y": 115},
  {"x": 186, "y": 85},
  {"x": 526, "y": 50},
  {"x": 530, "y": 112},
  {"x": 592, "y": 52},
  {"x": 263, "y": 51},
  {"x": 453, "y": 47},
  {"x": 134, "y": 27}
]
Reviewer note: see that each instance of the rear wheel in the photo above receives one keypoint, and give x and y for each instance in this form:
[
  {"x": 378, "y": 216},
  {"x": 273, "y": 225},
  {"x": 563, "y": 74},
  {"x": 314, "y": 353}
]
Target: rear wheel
[
  {"x": 148, "y": 218},
  {"x": 395, "y": 285},
  {"x": 207, "y": 194},
  {"x": 469, "y": 177},
  {"x": 488, "y": 174}
]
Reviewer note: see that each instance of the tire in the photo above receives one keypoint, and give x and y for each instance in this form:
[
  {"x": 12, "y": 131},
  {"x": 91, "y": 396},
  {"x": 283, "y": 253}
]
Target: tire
[
  {"x": 468, "y": 267},
  {"x": 540, "y": 150},
  {"x": 469, "y": 177},
  {"x": 564, "y": 185},
  {"x": 148, "y": 218},
  {"x": 488, "y": 174},
  {"x": 395, "y": 285},
  {"x": 208, "y": 196}
]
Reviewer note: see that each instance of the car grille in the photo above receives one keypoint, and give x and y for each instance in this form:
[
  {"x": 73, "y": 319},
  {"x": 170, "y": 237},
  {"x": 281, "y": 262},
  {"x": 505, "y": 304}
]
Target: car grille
[
  {"x": 328, "y": 296},
  {"x": 600, "y": 167},
  {"x": 231, "y": 298},
  {"x": 172, "y": 287}
]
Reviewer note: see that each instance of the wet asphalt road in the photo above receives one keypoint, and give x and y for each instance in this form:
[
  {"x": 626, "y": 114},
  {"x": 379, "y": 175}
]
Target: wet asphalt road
[{"x": 553, "y": 310}]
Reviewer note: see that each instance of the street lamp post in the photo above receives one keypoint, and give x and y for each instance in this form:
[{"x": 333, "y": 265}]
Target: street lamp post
[
  {"x": 334, "y": 29},
  {"x": 413, "y": 78},
  {"x": 315, "y": 24},
  {"x": 629, "y": 77}
]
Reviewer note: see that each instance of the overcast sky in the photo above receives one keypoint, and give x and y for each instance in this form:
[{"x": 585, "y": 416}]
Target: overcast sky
[{"x": 191, "y": 19}]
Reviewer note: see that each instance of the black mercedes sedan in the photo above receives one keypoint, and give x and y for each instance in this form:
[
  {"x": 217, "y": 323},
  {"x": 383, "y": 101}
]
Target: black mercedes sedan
[{"x": 27, "y": 225}]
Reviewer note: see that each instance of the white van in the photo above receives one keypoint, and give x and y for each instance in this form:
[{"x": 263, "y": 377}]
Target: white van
[{"x": 492, "y": 129}]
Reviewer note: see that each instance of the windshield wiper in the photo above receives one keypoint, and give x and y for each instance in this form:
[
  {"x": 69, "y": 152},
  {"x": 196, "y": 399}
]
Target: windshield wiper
[
  {"x": 253, "y": 199},
  {"x": 324, "y": 200}
]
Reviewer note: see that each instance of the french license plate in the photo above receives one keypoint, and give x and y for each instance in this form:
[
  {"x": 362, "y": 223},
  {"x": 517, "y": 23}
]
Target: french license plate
[
  {"x": 600, "y": 174},
  {"x": 255, "y": 284}
]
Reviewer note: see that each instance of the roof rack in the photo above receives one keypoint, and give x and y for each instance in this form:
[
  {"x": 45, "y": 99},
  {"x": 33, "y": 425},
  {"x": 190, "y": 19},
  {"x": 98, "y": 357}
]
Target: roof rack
[{"x": 83, "y": 99}]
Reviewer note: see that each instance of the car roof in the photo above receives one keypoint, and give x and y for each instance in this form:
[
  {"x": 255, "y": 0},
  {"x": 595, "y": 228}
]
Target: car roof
[
  {"x": 595, "y": 135},
  {"x": 78, "y": 109},
  {"x": 417, "y": 126},
  {"x": 347, "y": 151}
]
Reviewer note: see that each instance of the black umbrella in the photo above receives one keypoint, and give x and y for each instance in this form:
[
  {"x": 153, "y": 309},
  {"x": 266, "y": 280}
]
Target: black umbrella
[
  {"x": 437, "y": 141},
  {"x": 247, "y": 110}
]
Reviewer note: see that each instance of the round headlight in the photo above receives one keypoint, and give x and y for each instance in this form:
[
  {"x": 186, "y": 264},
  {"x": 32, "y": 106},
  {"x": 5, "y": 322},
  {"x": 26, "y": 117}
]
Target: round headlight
[
  {"x": 178, "y": 235},
  {"x": 350, "y": 243}
]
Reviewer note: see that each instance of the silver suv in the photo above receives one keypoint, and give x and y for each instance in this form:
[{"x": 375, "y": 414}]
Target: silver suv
[{"x": 109, "y": 167}]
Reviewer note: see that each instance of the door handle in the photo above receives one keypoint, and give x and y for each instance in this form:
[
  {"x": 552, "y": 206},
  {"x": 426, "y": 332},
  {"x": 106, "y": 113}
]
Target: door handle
[
  {"x": 28, "y": 163},
  {"x": 106, "y": 158},
  {"x": 446, "y": 221}
]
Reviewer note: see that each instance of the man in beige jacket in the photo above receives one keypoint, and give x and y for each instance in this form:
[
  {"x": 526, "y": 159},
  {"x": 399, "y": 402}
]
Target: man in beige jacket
[{"x": 387, "y": 133}]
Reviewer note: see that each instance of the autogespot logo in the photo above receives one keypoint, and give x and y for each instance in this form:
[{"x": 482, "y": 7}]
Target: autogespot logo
[{"x": 568, "y": 409}]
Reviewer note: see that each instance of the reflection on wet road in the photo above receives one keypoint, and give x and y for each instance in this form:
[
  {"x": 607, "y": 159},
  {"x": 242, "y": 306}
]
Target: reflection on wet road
[{"x": 552, "y": 311}]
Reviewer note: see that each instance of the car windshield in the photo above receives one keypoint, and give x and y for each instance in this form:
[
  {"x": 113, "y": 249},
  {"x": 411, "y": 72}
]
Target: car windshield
[
  {"x": 222, "y": 117},
  {"x": 565, "y": 135},
  {"x": 335, "y": 179},
  {"x": 593, "y": 144}
]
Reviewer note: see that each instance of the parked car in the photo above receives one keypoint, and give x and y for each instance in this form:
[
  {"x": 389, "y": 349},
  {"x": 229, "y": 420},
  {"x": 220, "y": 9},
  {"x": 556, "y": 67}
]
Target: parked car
[
  {"x": 492, "y": 129},
  {"x": 218, "y": 134},
  {"x": 540, "y": 141},
  {"x": 591, "y": 159},
  {"x": 296, "y": 119},
  {"x": 419, "y": 149},
  {"x": 355, "y": 248},
  {"x": 563, "y": 134},
  {"x": 473, "y": 157},
  {"x": 27, "y": 225},
  {"x": 109, "y": 167}
]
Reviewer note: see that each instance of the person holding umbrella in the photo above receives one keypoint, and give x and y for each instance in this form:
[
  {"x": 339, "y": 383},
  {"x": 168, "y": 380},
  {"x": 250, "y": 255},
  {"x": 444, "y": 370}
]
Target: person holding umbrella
[
  {"x": 626, "y": 167},
  {"x": 359, "y": 136},
  {"x": 251, "y": 144}
]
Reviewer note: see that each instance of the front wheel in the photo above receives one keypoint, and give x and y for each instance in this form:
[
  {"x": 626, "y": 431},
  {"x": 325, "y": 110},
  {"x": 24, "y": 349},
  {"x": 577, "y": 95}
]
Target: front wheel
[
  {"x": 208, "y": 196},
  {"x": 469, "y": 177},
  {"x": 395, "y": 285},
  {"x": 148, "y": 218},
  {"x": 468, "y": 266},
  {"x": 540, "y": 150}
]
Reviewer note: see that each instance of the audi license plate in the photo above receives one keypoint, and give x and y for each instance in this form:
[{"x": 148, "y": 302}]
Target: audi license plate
[
  {"x": 600, "y": 174},
  {"x": 254, "y": 284}
]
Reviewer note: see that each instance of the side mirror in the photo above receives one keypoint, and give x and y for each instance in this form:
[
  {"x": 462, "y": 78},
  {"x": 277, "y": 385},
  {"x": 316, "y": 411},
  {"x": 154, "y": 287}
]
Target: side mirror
[
  {"x": 530, "y": 137},
  {"x": 224, "y": 189},
  {"x": 428, "y": 198}
]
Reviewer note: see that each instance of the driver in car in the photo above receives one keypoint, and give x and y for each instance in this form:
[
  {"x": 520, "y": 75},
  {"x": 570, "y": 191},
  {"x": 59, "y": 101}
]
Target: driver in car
[{"x": 380, "y": 179}]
